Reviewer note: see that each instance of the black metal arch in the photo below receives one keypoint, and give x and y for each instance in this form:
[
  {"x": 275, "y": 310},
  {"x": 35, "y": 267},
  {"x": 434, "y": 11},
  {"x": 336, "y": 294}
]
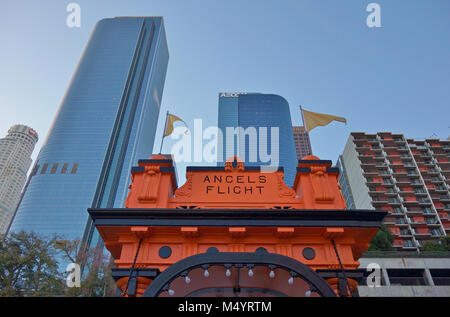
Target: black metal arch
[{"x": 293, "y": 266}]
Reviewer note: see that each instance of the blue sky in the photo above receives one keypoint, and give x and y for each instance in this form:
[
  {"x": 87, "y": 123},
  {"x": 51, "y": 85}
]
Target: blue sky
[{"x": 319, "y": 54}]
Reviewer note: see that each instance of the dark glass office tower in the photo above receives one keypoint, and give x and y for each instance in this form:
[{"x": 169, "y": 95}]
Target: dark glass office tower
[
  {"x": 258, "y": 110},
  {"x": 106, "y": 122}
]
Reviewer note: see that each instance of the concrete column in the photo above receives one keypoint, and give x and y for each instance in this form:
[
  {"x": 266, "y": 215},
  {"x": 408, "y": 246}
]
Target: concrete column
[
  {"x": 385, "y": 277},
  {"x": 428, "y": 277}
]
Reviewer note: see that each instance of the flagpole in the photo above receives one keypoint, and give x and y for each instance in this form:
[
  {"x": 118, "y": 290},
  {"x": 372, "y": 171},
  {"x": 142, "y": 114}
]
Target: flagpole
[
  {"x": 164, "y": 132},
  {"x": 307, "y": 132}
]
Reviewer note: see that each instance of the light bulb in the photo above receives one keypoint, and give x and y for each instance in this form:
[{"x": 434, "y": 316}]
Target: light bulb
[
  {"x": 228, "y": 272},
  {"x": 291, "y": 280},
  {"x": 272, "y": 274},
  {"x": 206, "y": 273},
  {"x": 250, "y": 272},
  {"x": 308, "y": 293},
  {"x": 187, "y": 279}
]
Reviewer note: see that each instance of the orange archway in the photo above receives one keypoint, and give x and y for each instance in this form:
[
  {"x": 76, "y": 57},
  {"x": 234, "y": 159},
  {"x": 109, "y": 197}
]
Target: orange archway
[{"x": 226, "y": 212}]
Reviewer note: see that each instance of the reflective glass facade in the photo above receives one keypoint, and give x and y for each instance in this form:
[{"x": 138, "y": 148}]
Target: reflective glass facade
[
  {"x": 106, "y": 122},
  {"x": 258, "y": 110}
]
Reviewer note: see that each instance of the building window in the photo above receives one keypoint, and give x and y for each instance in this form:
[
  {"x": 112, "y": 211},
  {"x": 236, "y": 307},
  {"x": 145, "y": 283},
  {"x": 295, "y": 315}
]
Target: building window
[
  {"x": 398, "y": 210},
  {"x": 74, "y": 168},
  {"x": 435, "y": 232},
  {"x": 406, "y": 277},
  {"x": 44, "y": 168},
  {"x": 54, "y": 168},
  {"x": 441, "y": 277},
  {"x": 64, "y": 168},
  {"x": 408, "y": 243}
]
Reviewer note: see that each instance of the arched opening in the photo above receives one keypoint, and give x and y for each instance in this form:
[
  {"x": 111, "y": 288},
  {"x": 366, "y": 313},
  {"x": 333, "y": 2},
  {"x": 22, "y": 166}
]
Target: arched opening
[{"x": 239, "y": 274}]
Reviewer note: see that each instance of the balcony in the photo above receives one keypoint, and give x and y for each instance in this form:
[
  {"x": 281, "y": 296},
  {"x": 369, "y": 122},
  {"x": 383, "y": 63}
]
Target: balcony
[
  {"x": 441, "y": 189},
  {"x": 362, "y": 156},
  {"x": 434, "y": 224},
  {"x": 401, "y": 224},
  {"x": 414, "y": 212},
  {"x": 370, "y": 172},
  {"x": 404, "y": 235},
  {"x": 410, "y": 202},
  {"x": 391, "y": 192},
  {"x": 370, "y": 181},
  {"x": 394, "y": 202},
  {"x": 437, "y": 180},
  {"x": 433, "y": 171},
  {"x": 424, "y": 202},
  {"x": 367, "y": 163},
  {"x": 419, "y": 224},
  {"x": 409, "y": 247},
  {"x": 423, "y": 234},
  {"x": 374, "y": 191},
  {"x": 378, "y": 203}
]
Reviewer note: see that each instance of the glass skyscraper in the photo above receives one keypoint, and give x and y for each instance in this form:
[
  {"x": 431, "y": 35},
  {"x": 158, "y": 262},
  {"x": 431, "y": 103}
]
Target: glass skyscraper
[
  {"x": 247, "y": 110},
  {"x": 106, "y": 122}
]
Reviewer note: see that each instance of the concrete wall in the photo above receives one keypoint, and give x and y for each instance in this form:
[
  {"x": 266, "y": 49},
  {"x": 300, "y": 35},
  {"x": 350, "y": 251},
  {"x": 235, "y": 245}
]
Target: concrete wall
[
  {"x": 357, "y": 181},
  {"x": 387, "y": 290}
]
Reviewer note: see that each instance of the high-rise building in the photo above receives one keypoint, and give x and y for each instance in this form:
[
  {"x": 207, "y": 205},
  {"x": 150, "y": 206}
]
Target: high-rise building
[
  {"x": 106, "y": 121},
  {"x": 256, "y": 113},
  {"x": 344, "y": 184},
  {"x": 15, "y": 160},
  {"x": 408, "y": 178},
  {"x": 302, "y": 142}
]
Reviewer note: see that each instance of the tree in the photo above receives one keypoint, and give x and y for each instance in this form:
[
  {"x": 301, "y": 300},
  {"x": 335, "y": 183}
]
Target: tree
[
  {"x": 97, "y": 280},
  {"x": 443, "y": 244},
  {"x": 383, "y": 240},
  {"x": 28, "y": 266}
]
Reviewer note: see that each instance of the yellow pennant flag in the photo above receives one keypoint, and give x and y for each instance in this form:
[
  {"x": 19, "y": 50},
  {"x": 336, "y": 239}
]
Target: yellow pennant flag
[
  {"x": 314, "y": 119},
  {"x": 171, "y": 118}
]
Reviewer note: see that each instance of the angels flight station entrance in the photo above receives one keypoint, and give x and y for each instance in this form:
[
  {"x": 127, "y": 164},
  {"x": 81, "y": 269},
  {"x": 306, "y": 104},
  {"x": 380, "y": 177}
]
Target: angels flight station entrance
[{"x": 236, "y": 231}]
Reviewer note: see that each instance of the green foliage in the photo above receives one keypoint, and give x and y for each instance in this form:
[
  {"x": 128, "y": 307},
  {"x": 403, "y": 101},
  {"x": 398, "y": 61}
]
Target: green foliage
[
  {"x": 443, "y": 244},
  {"x": 383, "y": 240},
  {"x": 97, "y": 281},
  {"x": 30, "y": 266}
]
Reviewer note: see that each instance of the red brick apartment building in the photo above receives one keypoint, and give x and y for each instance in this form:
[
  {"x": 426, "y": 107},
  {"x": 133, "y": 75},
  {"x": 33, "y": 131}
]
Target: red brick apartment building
[{"x": 406, "y": 177}]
